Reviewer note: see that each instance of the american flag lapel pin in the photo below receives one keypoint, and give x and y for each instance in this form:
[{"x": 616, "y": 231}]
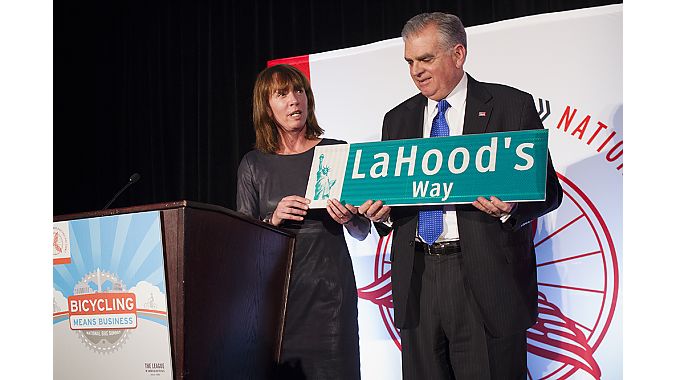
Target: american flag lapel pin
[{"x": 482, "y": 113}]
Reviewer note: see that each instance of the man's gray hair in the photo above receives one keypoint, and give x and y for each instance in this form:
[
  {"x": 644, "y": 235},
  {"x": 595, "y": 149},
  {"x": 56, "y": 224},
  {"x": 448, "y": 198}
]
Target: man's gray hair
[{"x": 451, "y": 30}]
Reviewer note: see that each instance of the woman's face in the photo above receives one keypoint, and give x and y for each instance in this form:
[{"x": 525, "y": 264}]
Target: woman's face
[{"x": 289, "y": 108}]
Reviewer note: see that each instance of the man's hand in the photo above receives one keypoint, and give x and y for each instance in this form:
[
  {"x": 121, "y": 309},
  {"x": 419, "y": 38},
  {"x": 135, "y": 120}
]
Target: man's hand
[
  {"x": 375, "y": 211},
  {"x": 493, "y": 207},
  {"x": 341, "y": 214}
]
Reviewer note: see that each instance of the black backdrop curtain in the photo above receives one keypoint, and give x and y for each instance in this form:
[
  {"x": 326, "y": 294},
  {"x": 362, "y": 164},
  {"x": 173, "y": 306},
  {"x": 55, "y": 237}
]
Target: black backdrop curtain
[{"x": 163, "y": 88}]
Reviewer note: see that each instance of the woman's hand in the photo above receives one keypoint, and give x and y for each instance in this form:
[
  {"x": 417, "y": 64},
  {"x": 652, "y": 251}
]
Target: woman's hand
[{"x": 291, "y": 207}]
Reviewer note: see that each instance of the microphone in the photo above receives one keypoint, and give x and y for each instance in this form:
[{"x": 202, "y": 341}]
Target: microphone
[{"x": 132, "y": 180}]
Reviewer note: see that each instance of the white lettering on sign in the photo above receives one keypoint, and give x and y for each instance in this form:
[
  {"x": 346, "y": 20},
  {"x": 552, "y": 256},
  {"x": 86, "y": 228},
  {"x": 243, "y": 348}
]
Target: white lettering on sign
[
  {"x": 492, "y": 154},
  {"x": 438, "y": 162},
  {"x": 458, "y": 161},
  {"x": 410, "y": 160},
  {"x": 465, "y": 160},
  {"x": 383, "y": 165},
  {"x": 525, "y": 156},
  {"x": 420, "y": 189},
  {"x": 355, "y": 170}
]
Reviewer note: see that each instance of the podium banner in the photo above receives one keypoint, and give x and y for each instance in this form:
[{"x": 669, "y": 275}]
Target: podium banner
[
  {"x": 509, "y": 165},
  {"x": 110, "y": 306}
]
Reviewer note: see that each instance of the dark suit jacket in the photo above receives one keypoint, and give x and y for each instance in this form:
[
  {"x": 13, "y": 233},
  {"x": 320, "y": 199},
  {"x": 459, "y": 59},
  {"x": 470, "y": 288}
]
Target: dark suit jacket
[{"x": 498, "y": 258}]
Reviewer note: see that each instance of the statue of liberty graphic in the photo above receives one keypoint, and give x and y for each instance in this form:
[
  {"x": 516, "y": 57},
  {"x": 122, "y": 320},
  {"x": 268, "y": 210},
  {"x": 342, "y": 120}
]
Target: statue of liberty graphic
[{"x": 324, "y": 183}]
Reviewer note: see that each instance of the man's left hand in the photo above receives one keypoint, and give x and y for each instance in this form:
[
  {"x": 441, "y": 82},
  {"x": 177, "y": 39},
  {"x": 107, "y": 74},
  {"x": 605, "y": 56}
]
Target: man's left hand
[
  {"x": 342, "y": 214},
  {"x": 376, "y": 211},
  {"x": 494, "y": 207}
]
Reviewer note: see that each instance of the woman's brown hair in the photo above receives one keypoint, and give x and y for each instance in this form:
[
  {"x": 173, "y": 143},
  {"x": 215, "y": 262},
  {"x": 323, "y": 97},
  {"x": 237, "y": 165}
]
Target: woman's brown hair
[{"x": 270, "y": 80}]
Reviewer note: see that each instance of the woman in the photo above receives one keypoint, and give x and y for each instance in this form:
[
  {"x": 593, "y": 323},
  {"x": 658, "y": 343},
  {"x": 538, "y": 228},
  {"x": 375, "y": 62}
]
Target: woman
[{"x": 321, "y": 332}]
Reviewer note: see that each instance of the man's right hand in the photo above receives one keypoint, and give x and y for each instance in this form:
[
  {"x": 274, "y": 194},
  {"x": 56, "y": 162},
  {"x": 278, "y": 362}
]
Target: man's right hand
[
  {"x": 292, "y": 207},
  {"x": 375, "y": 211}
]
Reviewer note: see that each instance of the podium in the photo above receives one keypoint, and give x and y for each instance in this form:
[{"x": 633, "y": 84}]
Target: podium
[{"x": 227, "y": 278}]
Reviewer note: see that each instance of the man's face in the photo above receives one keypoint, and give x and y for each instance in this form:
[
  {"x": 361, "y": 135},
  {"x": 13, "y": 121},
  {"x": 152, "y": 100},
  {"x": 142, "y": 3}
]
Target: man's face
[{"x": 434, "y": 69}]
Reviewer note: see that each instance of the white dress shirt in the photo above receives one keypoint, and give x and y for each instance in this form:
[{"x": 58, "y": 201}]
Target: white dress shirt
[{"x": 455, "y": 118}]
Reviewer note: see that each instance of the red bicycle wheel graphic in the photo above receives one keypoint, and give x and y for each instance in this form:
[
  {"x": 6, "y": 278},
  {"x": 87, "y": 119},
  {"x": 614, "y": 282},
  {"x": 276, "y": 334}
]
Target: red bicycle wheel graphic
[
  {"x": 578, "y": 281},
  {"x": 578, "y": 284}
]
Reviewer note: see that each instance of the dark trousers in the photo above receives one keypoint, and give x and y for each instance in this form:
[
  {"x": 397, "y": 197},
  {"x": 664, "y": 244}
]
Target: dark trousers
[{"x": 450, "y": 340}]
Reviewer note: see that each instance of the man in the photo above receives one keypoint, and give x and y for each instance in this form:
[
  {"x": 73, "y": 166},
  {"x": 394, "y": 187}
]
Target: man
[{"x": 465, "y": 292}]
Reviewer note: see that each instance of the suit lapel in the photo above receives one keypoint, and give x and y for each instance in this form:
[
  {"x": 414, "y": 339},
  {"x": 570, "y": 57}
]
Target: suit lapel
[
  {"x": 478, "y": 108},
  {"x": 413, "y": 120}
]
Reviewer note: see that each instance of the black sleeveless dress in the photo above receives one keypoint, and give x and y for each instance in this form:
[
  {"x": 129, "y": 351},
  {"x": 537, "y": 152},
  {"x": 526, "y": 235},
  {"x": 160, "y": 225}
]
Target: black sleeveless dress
[{"x": 321, "y": 331}]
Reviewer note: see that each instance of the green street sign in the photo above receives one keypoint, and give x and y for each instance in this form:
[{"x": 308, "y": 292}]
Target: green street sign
[{"x": 441, "y": 170}]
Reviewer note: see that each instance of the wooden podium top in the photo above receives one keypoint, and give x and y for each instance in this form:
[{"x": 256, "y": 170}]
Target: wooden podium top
[{"x": 167, "y": 206}]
